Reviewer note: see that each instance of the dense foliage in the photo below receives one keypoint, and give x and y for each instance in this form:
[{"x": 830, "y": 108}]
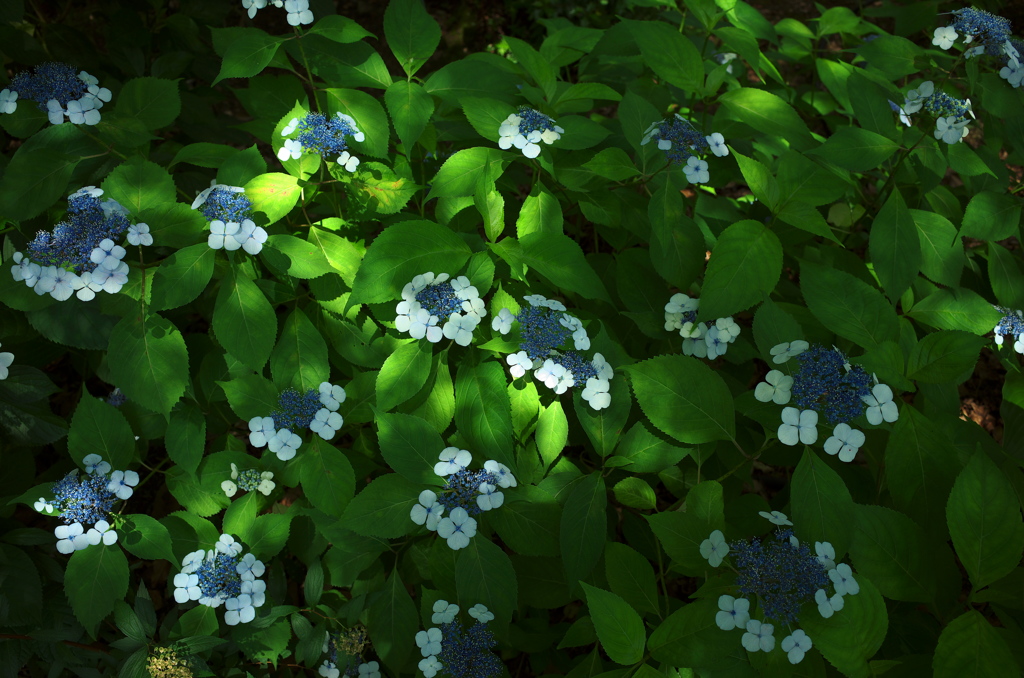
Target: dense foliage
[{"x": 688, "y": 345}]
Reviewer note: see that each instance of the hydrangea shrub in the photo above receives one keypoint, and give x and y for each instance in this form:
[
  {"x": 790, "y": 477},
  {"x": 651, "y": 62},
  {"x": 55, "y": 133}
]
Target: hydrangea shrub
[{"x": 686, "y": 342}]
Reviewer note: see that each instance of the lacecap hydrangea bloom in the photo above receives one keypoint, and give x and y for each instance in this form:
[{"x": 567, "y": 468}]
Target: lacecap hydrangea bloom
[
  {"x": 1011, "y": 324},
  {"x": 685, "y": 145},
  {"x": 316, "y": 410},
  {"x": 298, "y": 10},
  {"x": 173, "y": 661},
  {"x": 249, "y": 480},
  {"x": 702, "y": 339},
  {"x": 345, "y": 650},
  {"x": 465, "y": 494},
  {"x": 81, "y": 254},
  {"x": 526, "y": 129},
  {"x": 85, "y": 504},
  {"x": 778, "y": 579},
  {"x": 429, "y": 300},
  {"x": 222, "y": 575},
  {"x": 58, "y": 91},
  {"x": 550, "y": 344},
  {"x": 456, "y": 650},
  {"x": 987, "y": 34},
  {"x": 6, "y": 358},
  {"x": 229, "y": 212},
  {"x": 951, "y": 114},
  {"x": 327, "y": 137},
  {"x": 826, "y": 385}
]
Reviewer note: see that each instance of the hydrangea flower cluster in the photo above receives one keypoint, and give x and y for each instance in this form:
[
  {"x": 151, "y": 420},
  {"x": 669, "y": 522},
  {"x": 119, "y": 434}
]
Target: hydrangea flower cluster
[
  {"x": 990, "y": 32},
  {"x": 117, "y": 398},
  {"x": 229, "y": 212},
  {"x": 249, "y": 480},
  {"x": 80, "y": 253},
  {"x": 545, "y": 333},
  {"x": 6, "y": 358},
  {"x": 345, "y": 655},
  {"x": 298, "y": 10},
  {"x": 428, "y": 299},
  {"x": 684, "y": 145},
  {"x": 59, "y": 91},
  {"x": 951, "y": 115},
  {"x": 781, "y": 576},
  {"x": 456, "y": 650},
  {"x": 824, "y": 384},
  {"x": 466, "y": 494},
  {"x": 316, "y": 409},
  {"x": 84, "y": 504},
  {"x": 324, "y": 136},
  {"x": 173, "y": 661},
  {"x": 1012, "y": 324},
  {"x": 223, "y": 575},
  {"x": 525, "y": 129},
  {"x": 705, "y": 339}
]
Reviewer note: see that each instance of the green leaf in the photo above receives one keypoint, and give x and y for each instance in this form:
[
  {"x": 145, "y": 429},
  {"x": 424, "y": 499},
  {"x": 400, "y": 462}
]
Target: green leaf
[
  {"x": 759, "y": 178},
  {"x": 268, "y": 535},
  {"x": 619, "y": 627},
  {"x": 150, "y": 361},
  {"x": 175, "y": 225},
  {"x": 767, "y": 113},
  {"x": 690, "y": 637},
  {"x": 854, "y": 635},
  {"x": 945, "y": 356},
  {"x": 806, "y": 218},
  {"x": 991, "y": 216},
  {"x": 635, "y": 493},
  {"x": 892, "y": 551},
  {"x": 848, "y": 306},
  {"x": 486, "y": 115},
  {"x": 985, "y": 521},
  {"x": 684, "y": 398},
  {"x": 483, "y": 413},
  {"x": 250, "y": 396},
  {"x": 369, "y": 116},
  {"x": 96, "y": 578},
  {"x": 484, "y": 574},
  {"x": 920, "y": 465},
  {"x": 535, "y": 65},
  {"x": 299, "y": 359},
  {"x": 186, "y": 436},
  {"x": 891, "y": 54},
  {"x": 199, "y": 621},
  {"x": 182, "y": 277},
  {"x": 681, "y": 533},
  {"x": 39, "y": 172},
  {"x": 745, "y": 267},
  {"x": 612, "y": 163},
  {"x": 240, "y": 516},
  {"x": 203, "y": 154},
  {"x": 80, "y": 326},
  {"x": 244, "y": 321},
  {"x": 402, "y": 251},
  {"x": 677, "y": 245},
  {"x": 153, "y": 102},
  {"x": 461, "y": 172},
  {"x": 942, "y": 252},
  {"x": 583, "y": 528},
  {"x": 410, "y": 107},
  {"x": 339, "y": 29},
  {"x": 412, "y": 34},
  {"x": 248, "y": 55},
  {"x": 856, "y": 149},
  {"x": 604, "y": 427},
  {"x": 201, "y": 500},
  {"x": 631, "y": 576},
  {"x": 327, "y": 478},
  {"x": 145, "y": 537},
  {"x": 895, "y": 246},
  {"x": 491, "y": 205},
  {"x": 301, "y": 259},
  {"x": 343, "y": 255},
  {"x": 560, "y": 259},
  {"x": 956, "y": 309},
  {"x": 552, "y": 432},
  {"x": 410, "y": 446},
  {"x": 391, "y": 621},
  {"x": 970, "y": 646},
  {"x": 403, "y": 374},
  {"x": 528, "y": 522},
  {"x": 139, "y": 184},
  {"x": 822, "y": 506},
  {"x": 382, "y": 508},
  {"x": 274, "y": 194},
  {"x": 241, "y": 168},
  {"x": 646, "y": 452},
  {"x": 669, "y": 53}
]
